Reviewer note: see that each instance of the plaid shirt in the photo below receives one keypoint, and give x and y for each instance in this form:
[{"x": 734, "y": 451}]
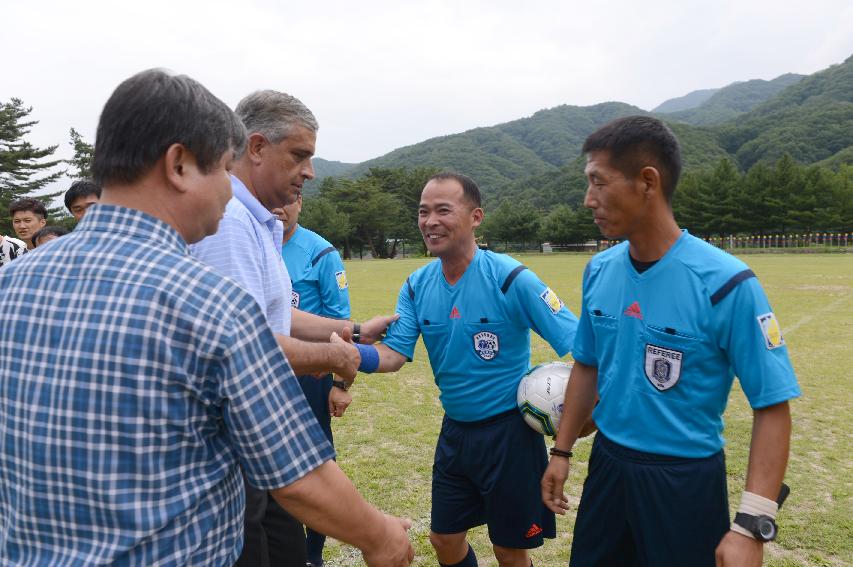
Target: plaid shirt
[{"x": 133, "y": 382}]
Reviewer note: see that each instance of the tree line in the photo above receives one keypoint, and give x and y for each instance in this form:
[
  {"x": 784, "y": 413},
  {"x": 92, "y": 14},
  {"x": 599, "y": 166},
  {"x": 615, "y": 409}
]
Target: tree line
[
  {"x": 378, "y": 211},
  {"x": 767, "y": 199}
]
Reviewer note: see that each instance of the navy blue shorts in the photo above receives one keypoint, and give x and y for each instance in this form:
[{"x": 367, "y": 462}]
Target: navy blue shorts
[
  {"x": 489, "y": 472},
  {"x": 646, "y": 509}
]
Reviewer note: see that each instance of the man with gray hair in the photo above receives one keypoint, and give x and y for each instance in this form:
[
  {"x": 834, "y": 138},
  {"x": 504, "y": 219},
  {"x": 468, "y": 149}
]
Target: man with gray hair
[{"x": 268, "y": 175}]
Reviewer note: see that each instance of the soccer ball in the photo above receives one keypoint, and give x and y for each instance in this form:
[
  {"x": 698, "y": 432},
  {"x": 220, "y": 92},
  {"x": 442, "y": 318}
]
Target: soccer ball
[{"x": 540, "y": 396}]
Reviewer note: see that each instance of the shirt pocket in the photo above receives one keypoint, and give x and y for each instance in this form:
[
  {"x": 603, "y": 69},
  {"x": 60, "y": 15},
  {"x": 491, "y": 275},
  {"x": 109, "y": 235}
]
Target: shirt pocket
[
  {"x": 436, "y": 337},
  {"x": 435, "y": 334},
  {"x": 668, "y": 360},
  {"x": 605, "y": 331}
]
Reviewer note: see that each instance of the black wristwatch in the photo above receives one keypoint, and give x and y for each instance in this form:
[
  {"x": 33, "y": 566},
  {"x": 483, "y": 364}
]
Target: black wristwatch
[
  {"x": 762, "y": 527},
  {"x": 341, "y": 384},
  {"x": 356, "y": 333}
]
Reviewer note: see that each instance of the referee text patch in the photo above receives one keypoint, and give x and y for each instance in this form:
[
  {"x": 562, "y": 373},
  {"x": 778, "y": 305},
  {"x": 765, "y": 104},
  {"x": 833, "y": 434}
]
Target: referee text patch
[{"x": 663, "y": 366}]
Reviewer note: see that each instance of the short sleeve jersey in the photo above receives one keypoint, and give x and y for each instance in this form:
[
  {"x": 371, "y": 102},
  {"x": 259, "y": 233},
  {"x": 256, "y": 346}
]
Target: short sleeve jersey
[
  {"x": 477, "y": 331},
  {"x": 668, "y": 342},
  {"x": 246, "y": 248},
  {"x": 317, "y": 275}
]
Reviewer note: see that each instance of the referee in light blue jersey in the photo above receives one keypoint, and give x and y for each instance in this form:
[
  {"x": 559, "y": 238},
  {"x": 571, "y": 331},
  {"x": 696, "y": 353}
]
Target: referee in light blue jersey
[
  {"x": 475, "y": 310},
  {"x": 667, "y": 321},
  {"x": 319, "y": 286}
]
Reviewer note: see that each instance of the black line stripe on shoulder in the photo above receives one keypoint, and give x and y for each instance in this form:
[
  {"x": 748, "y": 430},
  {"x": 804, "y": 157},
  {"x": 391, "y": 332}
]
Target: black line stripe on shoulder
[
  {"x": 511, "y": 277},
  {"x": 322, "y": 253},
  {"x": 727, "y": 287},
  {"x": 411, "y": 291}
]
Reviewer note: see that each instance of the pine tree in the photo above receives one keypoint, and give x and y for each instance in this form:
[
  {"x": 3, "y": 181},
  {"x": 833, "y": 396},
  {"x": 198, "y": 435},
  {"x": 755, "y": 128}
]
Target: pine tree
[
  {"x": 82, "y": 160},
  {"x": 23, "y": 170}
]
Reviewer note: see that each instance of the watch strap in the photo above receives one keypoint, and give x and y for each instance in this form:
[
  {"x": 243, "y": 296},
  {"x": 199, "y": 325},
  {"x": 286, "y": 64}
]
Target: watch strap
[{"x": 341, "y": 384}]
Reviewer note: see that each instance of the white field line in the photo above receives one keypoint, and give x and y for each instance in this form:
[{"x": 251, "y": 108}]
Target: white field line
[{"x": 811, "y": 316}]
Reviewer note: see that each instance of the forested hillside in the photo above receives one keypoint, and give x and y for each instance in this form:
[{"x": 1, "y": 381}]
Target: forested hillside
[
  {"x": 497, "y": 155},
  {"x": 688, "y": 101},
  {"x": 700, "y": 149},
  {"x": 325, "y": 168},
  {"x": 811, "y": 121},
  {"x": 730, "y": 102}
]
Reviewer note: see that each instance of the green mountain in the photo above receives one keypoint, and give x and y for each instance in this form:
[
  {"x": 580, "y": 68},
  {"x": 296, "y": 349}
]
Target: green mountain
[
  {"x": 732, "y": 101},
  {"x": 844, "y": 157},
  {"x": 537, "y": 158},
  {"x": 325, "y": 168},
  {"x": 699, "y": 147},
  {"x": 686, "y": 102},
  {"x": 811, "y": 120},
  {"x": 497, "y": 155}
]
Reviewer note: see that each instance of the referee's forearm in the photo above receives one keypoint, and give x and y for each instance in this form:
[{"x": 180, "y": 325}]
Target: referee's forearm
[{"x": 768, "y": 451}]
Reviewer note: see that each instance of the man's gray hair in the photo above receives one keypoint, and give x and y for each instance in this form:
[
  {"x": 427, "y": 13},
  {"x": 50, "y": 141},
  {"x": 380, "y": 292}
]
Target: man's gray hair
[{"x": 273, "y": 114}]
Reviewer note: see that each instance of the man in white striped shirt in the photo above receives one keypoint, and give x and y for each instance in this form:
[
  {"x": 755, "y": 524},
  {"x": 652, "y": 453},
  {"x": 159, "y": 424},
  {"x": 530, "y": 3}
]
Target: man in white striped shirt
[{"x": 269, "y": 175}]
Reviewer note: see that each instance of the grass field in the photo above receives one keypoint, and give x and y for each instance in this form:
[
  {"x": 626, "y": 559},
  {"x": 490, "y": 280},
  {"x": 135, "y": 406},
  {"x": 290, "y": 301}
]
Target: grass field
[{"x": 385, "y": 442}]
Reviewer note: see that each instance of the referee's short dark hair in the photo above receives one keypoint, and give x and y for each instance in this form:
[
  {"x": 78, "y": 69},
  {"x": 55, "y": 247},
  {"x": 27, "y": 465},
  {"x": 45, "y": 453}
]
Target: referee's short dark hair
[
  {"x": 469, "y": 186},
  {"x": 152, "y": 110},
  {"x": 81, "y": 188},
  {"x": 635, "y": 142}
]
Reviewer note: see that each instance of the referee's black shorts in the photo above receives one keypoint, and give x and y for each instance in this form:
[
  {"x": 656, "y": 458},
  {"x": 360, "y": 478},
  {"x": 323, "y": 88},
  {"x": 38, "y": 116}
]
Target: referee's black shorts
[
  {"x": 489, "y": 472},
  {"x": 652, "y": 510}
]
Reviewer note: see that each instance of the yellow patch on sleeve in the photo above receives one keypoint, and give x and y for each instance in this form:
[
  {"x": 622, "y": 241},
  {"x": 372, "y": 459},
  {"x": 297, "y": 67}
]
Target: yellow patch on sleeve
[
  {"x": 341, "y": 278},
  {"x": 771, "y": 330},
  {"x": 551, "y": 300}
]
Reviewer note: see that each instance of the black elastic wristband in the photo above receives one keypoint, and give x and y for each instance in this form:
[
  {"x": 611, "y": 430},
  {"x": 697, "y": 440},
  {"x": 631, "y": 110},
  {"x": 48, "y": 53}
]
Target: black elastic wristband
[
  {"x": 341, "y": 384},
  {"x": 560, "y": 453},
  {"x": 356, "y": 333}
]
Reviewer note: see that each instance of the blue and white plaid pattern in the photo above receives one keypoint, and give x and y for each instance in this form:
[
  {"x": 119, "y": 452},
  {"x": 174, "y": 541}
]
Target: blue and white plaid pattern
[
  {"x": 247, "y": 249},
  {"x": 134, "y": 383}
]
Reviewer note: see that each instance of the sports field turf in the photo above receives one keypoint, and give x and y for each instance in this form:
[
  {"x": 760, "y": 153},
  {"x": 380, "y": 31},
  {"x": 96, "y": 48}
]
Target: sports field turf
[{"x": 385, "y": 442}]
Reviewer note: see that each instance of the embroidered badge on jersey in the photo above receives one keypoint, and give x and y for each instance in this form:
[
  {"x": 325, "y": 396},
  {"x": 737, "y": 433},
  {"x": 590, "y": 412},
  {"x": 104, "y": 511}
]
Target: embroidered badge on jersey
[
  {"x": 341, "y": 278},
  {"x": 771, "y": 330},
  {"x": 454, "y": 313},
  {"x": 663, "y": 366},
  {"x": 486, "y": 345},
  {"x": 550, "y": 298},
  {"x": 294, "y": 299}
]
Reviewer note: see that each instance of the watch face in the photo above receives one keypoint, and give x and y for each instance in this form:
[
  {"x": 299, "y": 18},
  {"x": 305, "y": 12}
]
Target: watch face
[{"x": 766, "y": 528}]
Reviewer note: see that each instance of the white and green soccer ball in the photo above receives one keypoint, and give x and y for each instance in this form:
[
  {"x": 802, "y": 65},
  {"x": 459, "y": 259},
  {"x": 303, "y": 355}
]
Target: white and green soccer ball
[{"x": 540, "y": 396}]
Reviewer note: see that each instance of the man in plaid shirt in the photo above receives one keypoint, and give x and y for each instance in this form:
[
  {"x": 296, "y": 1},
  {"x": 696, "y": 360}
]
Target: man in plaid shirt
[{"x": 135, "y": 382}]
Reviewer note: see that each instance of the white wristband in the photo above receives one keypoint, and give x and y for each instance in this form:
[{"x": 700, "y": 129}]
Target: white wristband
[{"x": 755, "y": 505}]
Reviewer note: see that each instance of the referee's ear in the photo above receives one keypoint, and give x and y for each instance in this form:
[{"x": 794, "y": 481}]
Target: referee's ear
[
  {"x": 477, "y": 216},
  {"x": 651, "y": 180}
]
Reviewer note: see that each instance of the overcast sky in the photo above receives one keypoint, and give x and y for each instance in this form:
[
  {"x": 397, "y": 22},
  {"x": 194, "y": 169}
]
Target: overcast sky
[{"x": 381, "y": 74}]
